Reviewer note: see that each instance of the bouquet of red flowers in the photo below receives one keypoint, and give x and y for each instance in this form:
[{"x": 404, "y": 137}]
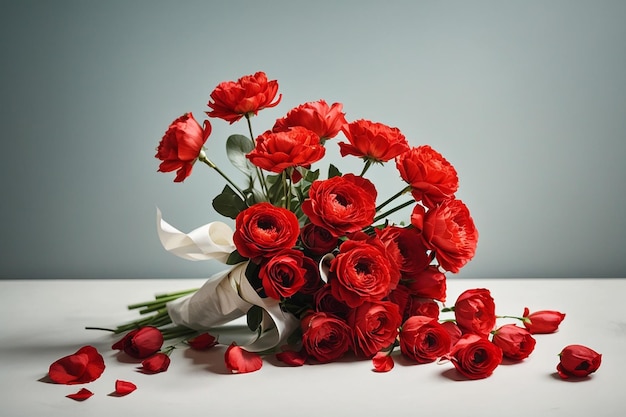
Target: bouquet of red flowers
[{"x": 314, "y": 263}]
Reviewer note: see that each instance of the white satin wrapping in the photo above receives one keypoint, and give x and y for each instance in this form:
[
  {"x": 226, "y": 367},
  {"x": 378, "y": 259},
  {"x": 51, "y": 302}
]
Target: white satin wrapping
[{"x": 226, "y": 295}]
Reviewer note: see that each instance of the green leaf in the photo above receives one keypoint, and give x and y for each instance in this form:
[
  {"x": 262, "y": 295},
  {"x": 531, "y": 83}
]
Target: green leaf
[
  {"x": 237, "y": 146},
  {"x": 235, "y": 258},
  {"x": 254, "y": 317},
  {"x": 333, "y": 171},
  {"x": 228, "y": 203}
]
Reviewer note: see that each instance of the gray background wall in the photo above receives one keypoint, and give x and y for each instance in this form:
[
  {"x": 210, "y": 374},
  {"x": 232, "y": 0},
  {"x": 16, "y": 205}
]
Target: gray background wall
[{"x": 526, "y": 98}]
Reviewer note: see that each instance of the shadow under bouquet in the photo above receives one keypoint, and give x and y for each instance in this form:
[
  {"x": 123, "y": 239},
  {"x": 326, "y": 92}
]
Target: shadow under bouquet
[{"x": 314, "y": 265}]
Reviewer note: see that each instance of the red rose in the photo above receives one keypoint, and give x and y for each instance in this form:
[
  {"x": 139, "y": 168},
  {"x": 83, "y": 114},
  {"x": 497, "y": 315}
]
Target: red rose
[
  {"x": 326, "y": 302},
  {"x": 317, "y": 240},
  {"x": 419, "y": 306},
  {"x": 325, "y": 337},
  {"x": 373, "y": 141},
  {"x": 263, "y": 230},
  {"x": 277, "y": 151},
  {"x": 86, "y": 365},
  {"x": 423, "y": 339},
  {"x": 140, "y": 343},
  {"x": 231, "y": 100},
  {"x": 240, "y": 361},
  {"x": 375, "y": 326},
  {"x": 543, "y": 321},
  {"x": 316, "y": 116},
  {"x": 181, "y": 145},
  {"x": 475, "y": 312},
  {"x": 449, "y": 230},
  {"x": 159, "y": 362},
  {"x": 516, "y": 342},
  {"x": 282, "y": 275},
  {"x": 313, "y": 281},
  {"x": 475, "y": 357},
  {"x": 362, "y": 272},
  {"x": 578, "y": 361},
  {"x": 429, "y": 283},
  {"x": 431, "y": 177},
  {"x": 342, "y": 205}
]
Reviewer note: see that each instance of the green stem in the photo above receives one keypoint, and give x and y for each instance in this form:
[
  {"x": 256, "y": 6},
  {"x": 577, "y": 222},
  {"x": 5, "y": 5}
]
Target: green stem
[
  {"x": 368, "y": 164},
  {"x": 161, "y": 299},
  {"x": 447, "y": 309},
  {"x": 396, "y": 195},
  {"x": 393, "y": 210},
  {"x": 259, "y": 172},
  {"x": 203, "y": 158}
]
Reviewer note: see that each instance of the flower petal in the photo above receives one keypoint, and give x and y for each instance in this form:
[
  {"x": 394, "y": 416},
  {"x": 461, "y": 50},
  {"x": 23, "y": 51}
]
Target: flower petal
[
  {"x": 382, "y": 362},
  {"x": 240, "y": 361},
  {"x": 124, "y": 387},
  {"x": 81, "y": 395},
  {"x": 159, "y": 362},
  {"x": 292, "y": 358}
]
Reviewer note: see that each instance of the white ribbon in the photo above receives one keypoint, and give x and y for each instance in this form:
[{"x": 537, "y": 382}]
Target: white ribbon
[{"x": 225, "y": 296}]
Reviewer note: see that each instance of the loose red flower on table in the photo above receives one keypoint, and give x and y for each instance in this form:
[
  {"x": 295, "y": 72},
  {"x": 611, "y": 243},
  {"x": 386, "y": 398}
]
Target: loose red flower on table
[
  {"x": 263, "y": 230},
  {"x": 159, "y": 362},
  {"x": 240, "y": 361},
  {"x": 283, "y": 274},
  {"x": 181, "y": 146},
  {"x": 342, "y": 205},
  {"x": 475, "y": 357},
  {"x": 448, "y": 230},
  {"x": 326, "y": 121},
  {"x": 475, "y": 312},
  {"x": 325, "y": 337},
  {"x": 232, "y": 100},
  {"x": 375, "y": 326},
  {"x": 277, "y": 151},
  {"x": 423, "y": 339},
  {"x": 140, "y": 343},
  {"x": 202, "y": 342},
  {"x": 81, "y": 395},
  {"x": 382, "y": 362},
  {"x": 578, "y": 361},
  {"x": 362, "y": 272},
  {"x": 124, "y": 387},
  {"x": 373, "y": 141},
  {"x": 86, "y": 365},
  {"x": 516, "y": 342},
  {"x": 543, "y": 321},
  {"x": 431, "y": 177}
]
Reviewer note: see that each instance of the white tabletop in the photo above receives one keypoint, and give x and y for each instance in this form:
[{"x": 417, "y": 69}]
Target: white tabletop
[{"x": 45, "y": 320}]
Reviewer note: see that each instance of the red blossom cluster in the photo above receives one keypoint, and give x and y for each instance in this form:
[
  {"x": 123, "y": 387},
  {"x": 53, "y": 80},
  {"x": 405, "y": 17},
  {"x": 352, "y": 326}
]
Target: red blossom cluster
[{"x": 326, "y": 251}]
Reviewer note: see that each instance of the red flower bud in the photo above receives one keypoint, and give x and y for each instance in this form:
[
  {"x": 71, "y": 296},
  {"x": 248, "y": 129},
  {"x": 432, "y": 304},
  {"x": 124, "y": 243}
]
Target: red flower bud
[
  {"x": 516, "y": 342},
  {"x": 544, "y": 321},
  {"x": 578, "y": 361},
  {"x": 140, "y": 343},
  {"x": 156, "y": 363}
]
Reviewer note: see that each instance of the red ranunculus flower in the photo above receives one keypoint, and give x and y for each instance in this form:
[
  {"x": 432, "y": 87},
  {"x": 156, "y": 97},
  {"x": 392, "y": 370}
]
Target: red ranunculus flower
[
  {"x": 159, "y": 362},
  {"x": 326, "y": 302},
  {"x": 475, "y": 312},
  {"x": 419, "y": 306},
  {"x": 423, "y": 339},
  {"x": 362, "y": 272},
  {"x": 382, "y": 362},
  {"x": 240, "y": 361},
  {"x": 429, "y": 283},
  {"x": 373, "y": 141},
  {"x": 86, "y": 365},
  {"x": 453, "y": 330},
  {"x": 312, "y": 278},
  {"x": 516, "y": 342},
  {"x": 316, "y": 116},
  {"x": 231, "y": 100},
  {"x": 317, "y": 240},
  {"x": 181, "y": 145},
  {"x": 202, "y": 342},
  {"x": 277, "y": 151},
  {"x": 543, "y": 321},
  {"x": 140, "y": 343},
  {"x": 342, "y": 205},
  {"x": 578, "y": 361},
  {"x": 431, "y": 177},
  {"x": 447, "y": 229},
  {"x": 263, "y": 230},
  {"x": 375, "y": 326},
  {"x": 282, "y": 275},
  {"x": 413, "y": 256},
  {"x": 325, "y": 337},
  {"x": 475, "y": 357}
]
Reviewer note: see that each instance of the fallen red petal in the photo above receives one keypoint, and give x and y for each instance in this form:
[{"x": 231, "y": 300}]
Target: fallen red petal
[
  {"x": 81, "y": 395},
  {"x": 86, "y": 365},
  {"x": 240, "y": 361},
  {"x": 159, "y": 362},
  {"x": 292, "y": 358},
  {"x": 124, "y": 387},
  {"x": 382, "y": 362}
]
